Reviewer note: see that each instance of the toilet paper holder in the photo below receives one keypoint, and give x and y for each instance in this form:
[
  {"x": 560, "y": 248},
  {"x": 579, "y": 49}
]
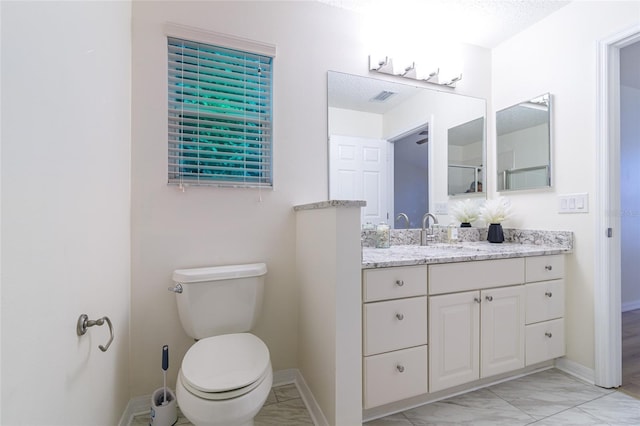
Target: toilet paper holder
[{"x": 84, "y": 322}]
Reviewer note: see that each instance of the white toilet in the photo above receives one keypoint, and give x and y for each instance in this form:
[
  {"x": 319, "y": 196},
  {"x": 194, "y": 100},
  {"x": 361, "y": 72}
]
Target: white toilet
[{"x": 226, "y": 375}]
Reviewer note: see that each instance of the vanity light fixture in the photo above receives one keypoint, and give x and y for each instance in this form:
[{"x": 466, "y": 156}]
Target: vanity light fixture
[{"x": 412, "y": 71}]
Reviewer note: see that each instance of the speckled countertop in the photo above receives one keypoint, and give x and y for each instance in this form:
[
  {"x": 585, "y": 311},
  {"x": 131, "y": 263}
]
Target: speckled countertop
[{"x": 407, "y": 255}]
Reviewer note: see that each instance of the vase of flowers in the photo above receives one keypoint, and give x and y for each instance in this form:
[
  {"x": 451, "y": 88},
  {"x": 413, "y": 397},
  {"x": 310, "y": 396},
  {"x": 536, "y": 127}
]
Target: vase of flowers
[
  {"x": 465, "y": 212},
  {"x": 494, "y": 212}
]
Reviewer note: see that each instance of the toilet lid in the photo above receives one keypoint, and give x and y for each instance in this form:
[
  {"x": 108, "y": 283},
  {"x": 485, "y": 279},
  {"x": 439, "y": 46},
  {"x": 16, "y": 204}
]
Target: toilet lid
[{"x": 225, "y": 362}]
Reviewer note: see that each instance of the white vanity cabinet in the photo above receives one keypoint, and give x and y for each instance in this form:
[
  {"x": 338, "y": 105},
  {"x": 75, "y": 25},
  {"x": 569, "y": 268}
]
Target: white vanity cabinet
[
  {"x": 430, "y": 328},
  {"x": 394, "y": 334},
  {"x": 545, "y": 308}
]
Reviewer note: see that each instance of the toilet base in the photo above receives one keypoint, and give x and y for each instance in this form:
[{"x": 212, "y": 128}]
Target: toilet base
[{"x": 238, "y": 411}]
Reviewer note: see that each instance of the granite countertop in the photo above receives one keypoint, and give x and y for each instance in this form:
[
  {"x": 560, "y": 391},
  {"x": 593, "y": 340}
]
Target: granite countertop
[{"x": 407, "y": 255}]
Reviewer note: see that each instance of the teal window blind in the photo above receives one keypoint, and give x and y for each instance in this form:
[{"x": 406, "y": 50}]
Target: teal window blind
[{"x": 220, "y": 116}]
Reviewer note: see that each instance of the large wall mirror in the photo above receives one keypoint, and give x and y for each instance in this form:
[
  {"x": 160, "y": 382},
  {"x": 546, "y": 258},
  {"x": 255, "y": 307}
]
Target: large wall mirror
[
  {"x": 389, "y": 145},
  {"x": 523, "y": 145}
]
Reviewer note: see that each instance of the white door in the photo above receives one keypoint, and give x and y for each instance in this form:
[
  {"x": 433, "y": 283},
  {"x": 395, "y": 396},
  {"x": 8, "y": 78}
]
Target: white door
[
  {"x": 454, "y": 339},
  {"x": 359, "y": 170},
  {"x": 502, "y": 321}
]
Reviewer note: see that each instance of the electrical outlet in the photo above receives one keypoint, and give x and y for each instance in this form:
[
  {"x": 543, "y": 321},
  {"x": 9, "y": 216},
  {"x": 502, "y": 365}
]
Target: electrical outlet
[{"x": 573, "y": 203}]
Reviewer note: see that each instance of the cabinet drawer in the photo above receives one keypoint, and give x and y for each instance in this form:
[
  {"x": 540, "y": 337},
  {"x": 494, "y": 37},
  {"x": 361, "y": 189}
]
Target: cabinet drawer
[
  {"x": 394, "y": 283},
  {"x": 394, "y": 376},
  {"x": 464, "y": 276},
  {"x": 545, "y": 301},
  {"x": 543, "y": 268},
  {"x": 394, "y": 324},
  {"x": 544, "y": 341}
]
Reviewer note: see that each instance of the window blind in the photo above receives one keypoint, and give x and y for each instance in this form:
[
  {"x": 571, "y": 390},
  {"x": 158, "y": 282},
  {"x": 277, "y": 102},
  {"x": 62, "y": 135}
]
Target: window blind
[{"x": 220, "y": 115}]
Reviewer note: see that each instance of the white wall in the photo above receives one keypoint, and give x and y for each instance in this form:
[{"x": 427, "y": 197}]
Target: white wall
[
  {"x": 630, "y": 194},
  {"x": 347, "y": 122},
  {"x": 558, "y": 55},
  {"x": 205, "y": 226},
  {"x": 65, "y": 210}
]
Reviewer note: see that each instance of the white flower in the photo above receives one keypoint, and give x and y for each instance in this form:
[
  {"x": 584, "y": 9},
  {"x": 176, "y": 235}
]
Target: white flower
[
  {"x": 496, "y": 211},
  {"x": 465, "y": 211}
]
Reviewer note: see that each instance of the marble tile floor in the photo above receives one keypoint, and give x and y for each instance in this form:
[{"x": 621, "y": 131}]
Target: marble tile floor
[
  {"x": 284, "y": 407},
  {"x": 546, "y": 398},
  {"x": 631, "y": 353}
]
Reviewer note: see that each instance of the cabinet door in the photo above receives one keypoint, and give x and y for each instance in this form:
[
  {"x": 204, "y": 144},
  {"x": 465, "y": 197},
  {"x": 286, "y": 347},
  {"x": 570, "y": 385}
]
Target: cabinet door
[
  {"x": 454, "y": 339},
  {"x": 502, "y": 329}
]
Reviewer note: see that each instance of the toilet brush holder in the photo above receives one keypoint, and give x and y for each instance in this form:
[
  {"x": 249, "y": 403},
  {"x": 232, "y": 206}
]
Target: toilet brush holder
[{"x": 163, "y": 414}]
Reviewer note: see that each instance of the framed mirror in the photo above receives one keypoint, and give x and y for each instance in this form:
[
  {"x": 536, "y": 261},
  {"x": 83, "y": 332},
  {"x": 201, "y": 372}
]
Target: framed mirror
[
  {"x": 388, "y": 145},
  {"x": 523, "y": 145}
]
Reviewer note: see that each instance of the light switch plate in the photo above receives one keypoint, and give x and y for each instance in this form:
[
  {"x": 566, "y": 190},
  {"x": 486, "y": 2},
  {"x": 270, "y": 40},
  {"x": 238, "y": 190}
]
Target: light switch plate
[
  {"x": 441, "y": 208},
  {"x": 573, "y": 203}
]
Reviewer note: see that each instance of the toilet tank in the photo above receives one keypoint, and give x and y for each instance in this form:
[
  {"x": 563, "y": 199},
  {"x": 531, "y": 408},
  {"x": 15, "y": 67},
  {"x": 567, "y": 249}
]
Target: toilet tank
[{"x": 220, "y": 299}]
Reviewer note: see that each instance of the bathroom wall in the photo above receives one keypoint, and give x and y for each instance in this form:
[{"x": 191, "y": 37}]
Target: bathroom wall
[
  {"x": 65, "y": 210},
  {"x": 202, "y": 226},
  {"x": 548, "y": 57}
]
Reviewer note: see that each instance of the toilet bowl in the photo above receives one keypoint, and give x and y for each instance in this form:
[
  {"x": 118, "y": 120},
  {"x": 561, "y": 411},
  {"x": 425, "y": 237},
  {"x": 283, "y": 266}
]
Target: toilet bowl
[{"x": 224, "y": 380}]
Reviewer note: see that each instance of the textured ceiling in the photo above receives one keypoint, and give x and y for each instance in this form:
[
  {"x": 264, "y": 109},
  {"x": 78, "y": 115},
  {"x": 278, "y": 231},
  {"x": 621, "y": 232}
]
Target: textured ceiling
[{"x": 484, "y": 23}]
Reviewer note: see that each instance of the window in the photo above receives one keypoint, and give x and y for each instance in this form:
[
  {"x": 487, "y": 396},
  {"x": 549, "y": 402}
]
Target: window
[{"x": 220, "y": 115}]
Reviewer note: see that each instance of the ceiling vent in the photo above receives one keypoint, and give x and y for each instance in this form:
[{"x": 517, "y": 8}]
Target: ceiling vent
[{"x": 382, "y": 96}]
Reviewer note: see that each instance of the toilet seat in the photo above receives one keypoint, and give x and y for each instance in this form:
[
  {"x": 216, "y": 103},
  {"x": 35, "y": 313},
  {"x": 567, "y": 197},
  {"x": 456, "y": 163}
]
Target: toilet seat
[{"x": 225, "y": 366}]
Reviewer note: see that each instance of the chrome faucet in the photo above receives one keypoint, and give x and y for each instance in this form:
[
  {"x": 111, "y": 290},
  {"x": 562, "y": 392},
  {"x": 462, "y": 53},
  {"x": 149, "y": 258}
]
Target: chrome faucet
[
  {"x": 405, "y": 217},
  {"x": 426, "y": 234}
]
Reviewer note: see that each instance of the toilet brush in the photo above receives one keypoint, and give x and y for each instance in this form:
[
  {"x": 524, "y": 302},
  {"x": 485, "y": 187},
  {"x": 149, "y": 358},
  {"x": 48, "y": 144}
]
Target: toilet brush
[
  {"x": 165, "y": 367},
  {"x": 163, "y": 401}
]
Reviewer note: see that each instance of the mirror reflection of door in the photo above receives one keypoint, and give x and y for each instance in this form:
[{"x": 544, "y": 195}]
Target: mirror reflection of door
[
  {"x": 410, "y": 171},
  {"x": 359, "y": 170}
]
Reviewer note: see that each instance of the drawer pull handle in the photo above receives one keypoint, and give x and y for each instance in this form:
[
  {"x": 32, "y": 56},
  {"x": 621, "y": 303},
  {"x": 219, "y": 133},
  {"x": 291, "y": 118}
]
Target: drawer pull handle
[
  {"x": 400, "y": 368},
  {"x": 489, "y": 298},
  {"x": 399, "y": 283},
  {"x": 400, "y": 317},
  {"x": 548, "y": 267},
  {"x": 548, "y": 334},
  {"x": 476, "y": 299},
  {"x": 548, "y": 294}
]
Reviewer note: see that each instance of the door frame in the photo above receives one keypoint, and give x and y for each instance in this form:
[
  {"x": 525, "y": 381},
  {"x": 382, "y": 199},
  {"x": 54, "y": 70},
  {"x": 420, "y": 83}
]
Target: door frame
[{"x": 607, "y": 286}]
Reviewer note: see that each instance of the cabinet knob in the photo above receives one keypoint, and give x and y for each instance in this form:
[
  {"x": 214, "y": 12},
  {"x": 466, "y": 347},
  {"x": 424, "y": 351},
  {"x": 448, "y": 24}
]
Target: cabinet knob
[
  {"x": 399, "y": 283},
  {"x": 548, "y": 267},
  {"x": 548, "y": 294},
  {"x": 489, "y": 298},
  {"x": 400, "y": 317},
  {"x": 476, "y": 299},
  {"x": 400, "y": 368},
  {"x": 548, "y": 334}
]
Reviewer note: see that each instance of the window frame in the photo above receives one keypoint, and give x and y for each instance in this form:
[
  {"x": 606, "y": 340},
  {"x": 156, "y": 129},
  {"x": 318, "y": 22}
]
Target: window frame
[{"x": 223, "y": 41}]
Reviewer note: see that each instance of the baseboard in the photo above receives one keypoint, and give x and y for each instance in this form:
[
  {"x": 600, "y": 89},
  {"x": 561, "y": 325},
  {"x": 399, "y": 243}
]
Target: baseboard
[
  {"x": 285, "y": 377},
  {"x": 136, "y": 406},
  {"x": 577, "y": 370},
  {"x": 317, "y": 416},
  {"x": 631, "y": 306},
  {"x": 142, "y": 404}
]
